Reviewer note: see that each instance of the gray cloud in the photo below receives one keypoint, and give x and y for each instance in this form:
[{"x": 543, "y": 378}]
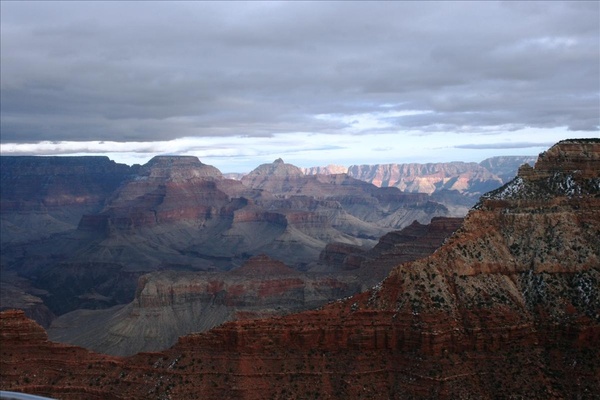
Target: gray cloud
[
  {"x": 145, "y": 71},
  {"x": 512, "y": 145}
]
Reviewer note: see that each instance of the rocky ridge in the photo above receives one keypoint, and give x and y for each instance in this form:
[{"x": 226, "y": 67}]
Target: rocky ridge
[
  {"x": 387, "y": 207},
  {"x": 507, "y": 307}
]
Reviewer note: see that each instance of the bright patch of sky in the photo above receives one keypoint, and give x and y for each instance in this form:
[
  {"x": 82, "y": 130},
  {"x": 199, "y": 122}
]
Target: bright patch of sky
[{"x": 303, "y": 149}]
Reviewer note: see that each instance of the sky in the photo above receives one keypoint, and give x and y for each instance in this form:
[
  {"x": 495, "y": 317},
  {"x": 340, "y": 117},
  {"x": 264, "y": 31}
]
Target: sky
[{"x": 238, "y": 84}]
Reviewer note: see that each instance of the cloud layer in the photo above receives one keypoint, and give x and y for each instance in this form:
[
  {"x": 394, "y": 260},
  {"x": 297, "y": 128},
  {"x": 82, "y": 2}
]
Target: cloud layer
[{"x": 161, "y": 71}]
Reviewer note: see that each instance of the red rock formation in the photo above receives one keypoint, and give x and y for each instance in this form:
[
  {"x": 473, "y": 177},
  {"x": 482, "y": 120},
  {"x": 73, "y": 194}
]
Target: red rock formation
[
  {"x": 16, "y": 327},
  {"x": 260, "y": 287},
  {"x": 342, "y": 256}
]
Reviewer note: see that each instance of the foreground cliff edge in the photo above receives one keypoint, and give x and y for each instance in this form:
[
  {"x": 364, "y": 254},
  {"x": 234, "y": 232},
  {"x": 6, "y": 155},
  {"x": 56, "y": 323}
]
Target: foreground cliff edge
[{"x": 507, "y": 307}]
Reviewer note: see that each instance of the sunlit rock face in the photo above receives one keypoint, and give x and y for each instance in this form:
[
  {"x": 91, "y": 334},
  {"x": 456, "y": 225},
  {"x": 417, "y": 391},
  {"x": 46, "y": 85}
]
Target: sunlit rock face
[
  {"x": 177, "y": 168},
  {"x": 457, "y": 185},
  {"x": 506, "y": 308},
  {"x": 467, "y": 178}
]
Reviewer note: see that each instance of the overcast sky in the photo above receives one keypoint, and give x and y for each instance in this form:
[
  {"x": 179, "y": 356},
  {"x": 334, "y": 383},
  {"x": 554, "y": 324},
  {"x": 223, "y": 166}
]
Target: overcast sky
[{"x": 239, "y": 84}]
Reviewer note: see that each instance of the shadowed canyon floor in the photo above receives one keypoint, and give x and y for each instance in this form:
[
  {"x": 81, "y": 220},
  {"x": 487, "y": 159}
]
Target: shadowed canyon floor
[{"x": 508, "y": 307}]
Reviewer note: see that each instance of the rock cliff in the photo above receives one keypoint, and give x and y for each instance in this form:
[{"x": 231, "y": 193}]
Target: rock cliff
[
  {"x": 411, "y": 243},
  {"x": 506, "y": 308},
  {"x": 327, "y": 170},
  {"x": 506, "y": 167},
  {"x": 384, "y": 207}
]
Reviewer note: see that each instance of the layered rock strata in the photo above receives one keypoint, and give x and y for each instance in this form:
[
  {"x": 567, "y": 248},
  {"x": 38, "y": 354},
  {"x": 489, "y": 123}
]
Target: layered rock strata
[
  {"x": 174, "y": 213},
  {"x": 171, "y": 304},
  {"x": 507, "y": 308},
  {"x": 467, "y": 178},
  {"x": 411, "y": 243},
  {"x": 388, "y": 207}
]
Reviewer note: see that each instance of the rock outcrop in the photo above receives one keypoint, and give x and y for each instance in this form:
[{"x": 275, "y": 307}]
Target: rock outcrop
[
  {"x": 456, "y": 185},
  {"x": 387, "y": 207},
  {"x": 427, "y": 178},
  {"x": 506, "y": 308},
  {"x": 506, "y": 167},
  {"x": 174, "y": 213},
  {"x": 12, "y": 296}
]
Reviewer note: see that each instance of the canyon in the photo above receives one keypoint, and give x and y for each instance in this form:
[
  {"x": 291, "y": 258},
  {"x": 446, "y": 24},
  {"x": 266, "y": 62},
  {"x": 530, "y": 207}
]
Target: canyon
[
  {"x": 80, "y": 235},
  {"x": 507, "y": 307},
  {"x": 83, "y": 232}
]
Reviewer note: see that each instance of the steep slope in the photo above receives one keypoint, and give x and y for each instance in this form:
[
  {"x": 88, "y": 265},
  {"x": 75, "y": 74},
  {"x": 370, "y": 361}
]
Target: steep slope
[
  {"x": 174, "y": 213},
  {"x": 371, "y": 266},
  {"x": 40, "y": 197},
  {"x": 327, "y": 170},
  {"x": 467, "y": 178},
  {"x": 507, "y": 308},
  {"x": 456, "y": 185}
]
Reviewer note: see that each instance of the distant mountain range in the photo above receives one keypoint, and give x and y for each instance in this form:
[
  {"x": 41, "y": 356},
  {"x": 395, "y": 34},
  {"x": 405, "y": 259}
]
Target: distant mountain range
[{"x": 468, "y": 179}]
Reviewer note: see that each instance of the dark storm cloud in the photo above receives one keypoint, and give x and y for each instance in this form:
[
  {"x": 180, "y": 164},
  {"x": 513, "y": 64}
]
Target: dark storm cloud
[{"x": 144, "y": 71}]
